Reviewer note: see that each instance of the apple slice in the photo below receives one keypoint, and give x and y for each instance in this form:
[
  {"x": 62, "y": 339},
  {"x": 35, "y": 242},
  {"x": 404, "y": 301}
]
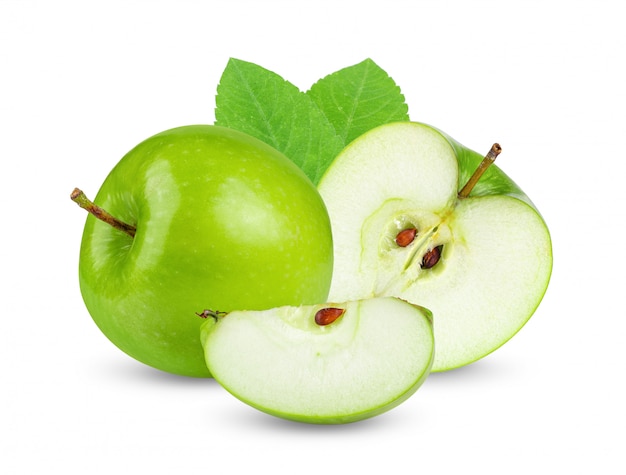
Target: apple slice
[
  {"x": 324, "y": 364},
  {"x": 480, "y": 259}
]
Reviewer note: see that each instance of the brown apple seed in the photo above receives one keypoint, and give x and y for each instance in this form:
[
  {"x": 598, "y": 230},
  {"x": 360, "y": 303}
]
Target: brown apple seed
[
  {"x": 406, "y": 237},
  {"x": 326, "y": 316},
  {"x": 431, "y": 257}
]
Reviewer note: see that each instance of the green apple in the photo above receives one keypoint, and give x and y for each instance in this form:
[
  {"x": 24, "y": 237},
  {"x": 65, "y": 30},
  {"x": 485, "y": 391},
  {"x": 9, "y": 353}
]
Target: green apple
[
  {"x": 480, "y": 259},
  {"x": 323, "y": 364},
  {"x": 213, "y": 216}
]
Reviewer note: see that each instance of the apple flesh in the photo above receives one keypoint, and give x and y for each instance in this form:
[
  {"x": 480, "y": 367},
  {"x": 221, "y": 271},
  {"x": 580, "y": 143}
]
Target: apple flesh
[
  {"x": 219, "y": 218},
  {"x": 324, "y": 364},
  {"x": 481, "y": 263}
]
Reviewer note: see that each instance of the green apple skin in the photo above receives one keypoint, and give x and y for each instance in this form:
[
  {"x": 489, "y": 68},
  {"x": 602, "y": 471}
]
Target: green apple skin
[
  {"x": 279, "y": 361},
  {"x": 222, "y": 220},
  {"x": 459, "y": 342}
]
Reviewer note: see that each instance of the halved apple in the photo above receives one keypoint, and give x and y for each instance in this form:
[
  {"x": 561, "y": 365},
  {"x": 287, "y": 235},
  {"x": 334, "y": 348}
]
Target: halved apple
[
  {"x": 325, "y": 364},
  {"x": 480, "y": 259}
]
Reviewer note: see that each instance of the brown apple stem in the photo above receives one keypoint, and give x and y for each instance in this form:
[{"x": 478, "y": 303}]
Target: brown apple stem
[
  {"x": 81, "y": 200},
  {"x": 487, "y": 161},
  {"x": 215, "y": 314}
]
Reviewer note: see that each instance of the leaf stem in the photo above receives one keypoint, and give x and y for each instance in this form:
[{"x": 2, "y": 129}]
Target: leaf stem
[
  {"x": 81, "y": 200},
  {"x": 487, "y": 161}
]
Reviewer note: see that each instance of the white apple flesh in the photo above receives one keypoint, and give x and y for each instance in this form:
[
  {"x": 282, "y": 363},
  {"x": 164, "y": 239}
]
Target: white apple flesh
[
  {"x": 325, "y": 364},
  {"x": 480, "y": 263}
]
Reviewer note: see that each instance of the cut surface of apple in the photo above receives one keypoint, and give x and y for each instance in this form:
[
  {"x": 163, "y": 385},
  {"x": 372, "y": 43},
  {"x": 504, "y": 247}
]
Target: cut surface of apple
[
  {"x": 325, "y": 364},
  {"x": 480, "y": 263}
]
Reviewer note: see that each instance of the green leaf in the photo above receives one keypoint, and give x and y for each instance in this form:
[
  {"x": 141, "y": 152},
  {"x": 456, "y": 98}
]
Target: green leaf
[
  {"x": 359, "y": 98},
  {"x": 259, "y": 102}
]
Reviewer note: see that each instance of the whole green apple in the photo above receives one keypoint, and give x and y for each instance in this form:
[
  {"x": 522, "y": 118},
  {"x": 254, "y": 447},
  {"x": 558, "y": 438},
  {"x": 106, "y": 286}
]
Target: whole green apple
[{"x": 213, "y": 217}]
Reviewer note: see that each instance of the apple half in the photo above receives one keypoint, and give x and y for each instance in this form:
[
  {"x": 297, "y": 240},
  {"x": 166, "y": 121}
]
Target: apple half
[
  {"x": 324, "y": 364},
  {"x": 480, "y": 259}
]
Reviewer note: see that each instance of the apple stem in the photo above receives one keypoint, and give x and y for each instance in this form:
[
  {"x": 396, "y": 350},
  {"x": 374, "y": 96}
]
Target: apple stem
[
  {"x": 215, "y": 314},
  {"x": 487, "y": 161},
  {"x": 81, "y": 200}
]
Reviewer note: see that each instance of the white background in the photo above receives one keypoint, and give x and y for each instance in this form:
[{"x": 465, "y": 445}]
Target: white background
[{"x": 81, "y": 83}]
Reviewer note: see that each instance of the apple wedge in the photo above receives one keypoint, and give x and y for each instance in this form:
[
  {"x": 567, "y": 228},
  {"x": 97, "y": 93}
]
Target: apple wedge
[
  {"x": 480, "y": 258},
  {"x": 324, "y": 364}
]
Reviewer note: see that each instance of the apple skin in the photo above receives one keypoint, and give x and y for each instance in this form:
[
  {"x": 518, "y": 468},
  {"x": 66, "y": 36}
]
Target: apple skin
[{"x": 223, "y": 220}]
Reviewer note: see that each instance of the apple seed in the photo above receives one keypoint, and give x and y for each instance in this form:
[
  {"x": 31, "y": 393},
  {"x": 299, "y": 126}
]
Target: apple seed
[
  {"x": 406, "y": 237},
  {"x": 431, "y": 257},
  {"x": 326, "y": 316}
]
